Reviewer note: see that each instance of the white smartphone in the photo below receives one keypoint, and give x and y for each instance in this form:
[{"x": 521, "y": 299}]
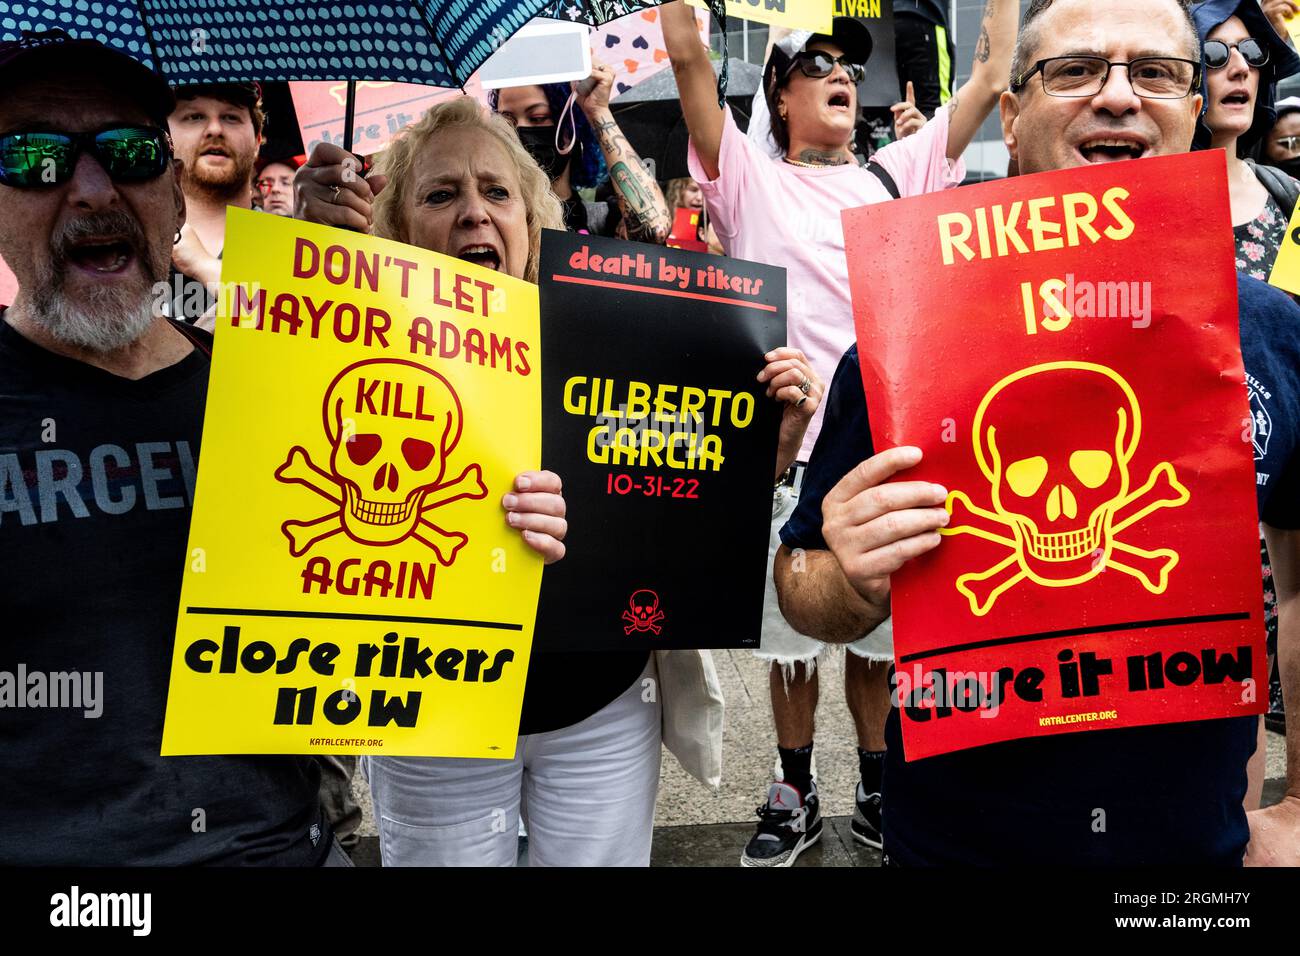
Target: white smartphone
[{"x": 542, "y": 51}]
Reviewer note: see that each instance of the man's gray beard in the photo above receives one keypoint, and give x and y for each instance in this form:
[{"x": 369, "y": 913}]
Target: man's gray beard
[{"x": 110, "y": 319}]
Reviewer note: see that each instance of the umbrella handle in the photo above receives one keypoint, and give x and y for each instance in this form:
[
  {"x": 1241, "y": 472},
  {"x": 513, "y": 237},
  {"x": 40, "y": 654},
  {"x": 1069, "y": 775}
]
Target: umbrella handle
[{"x": 349, "y": 115}]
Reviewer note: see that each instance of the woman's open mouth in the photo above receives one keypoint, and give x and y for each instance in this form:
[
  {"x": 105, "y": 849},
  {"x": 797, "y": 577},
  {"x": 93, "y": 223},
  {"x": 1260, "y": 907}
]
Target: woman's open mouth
[
  {"x": 481, "y": 255},
  {"x": 1239, "y": 98},
  {"x": 839, "y": 101}
]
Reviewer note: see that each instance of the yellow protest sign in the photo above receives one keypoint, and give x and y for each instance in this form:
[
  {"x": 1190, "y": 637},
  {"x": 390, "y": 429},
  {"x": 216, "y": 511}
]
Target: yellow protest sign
[
  {"x": 352, "y": 585},
  {"x": 1286, "y": 267},
  {"x": 812, "y": 15},
  {"x": 1293, "y": 29}
]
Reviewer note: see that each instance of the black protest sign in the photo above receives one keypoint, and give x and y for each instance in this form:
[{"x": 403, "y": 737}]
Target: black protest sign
[
  {"x": 880, "y": 85},
  {"x": 654, "y": 419}
]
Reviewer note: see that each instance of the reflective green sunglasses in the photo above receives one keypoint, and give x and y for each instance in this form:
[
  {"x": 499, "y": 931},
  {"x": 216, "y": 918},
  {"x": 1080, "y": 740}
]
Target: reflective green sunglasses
[{"x": 129, "y": 154}]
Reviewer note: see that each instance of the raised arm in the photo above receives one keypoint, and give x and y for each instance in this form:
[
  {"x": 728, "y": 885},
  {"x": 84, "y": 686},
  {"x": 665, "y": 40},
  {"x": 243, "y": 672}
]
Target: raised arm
[
  {"x": 697, "y": 85},
  {"x": 989, "y": 76},
  {"x": 644, "y": 209}
]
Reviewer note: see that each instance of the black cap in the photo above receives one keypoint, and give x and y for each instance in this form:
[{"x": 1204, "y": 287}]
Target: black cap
[
  {"x": 850, "y": 35},
  {"x": 125, "y": 71}
]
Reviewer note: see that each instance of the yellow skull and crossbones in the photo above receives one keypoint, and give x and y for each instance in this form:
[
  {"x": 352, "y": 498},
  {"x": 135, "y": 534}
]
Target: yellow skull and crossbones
[{"x": 1061, "y": 494}]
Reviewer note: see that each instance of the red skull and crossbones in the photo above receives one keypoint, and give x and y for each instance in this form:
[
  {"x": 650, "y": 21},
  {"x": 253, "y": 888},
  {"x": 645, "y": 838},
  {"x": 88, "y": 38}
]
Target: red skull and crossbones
[
  {"x": 391, "y": 425},
  {"x": 643, "y": 612}
]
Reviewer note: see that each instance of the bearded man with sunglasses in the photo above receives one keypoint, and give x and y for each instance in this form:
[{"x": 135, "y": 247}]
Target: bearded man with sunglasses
[
  {"x": 787, "y": 213},
  {"x": 101, "y": 412}
]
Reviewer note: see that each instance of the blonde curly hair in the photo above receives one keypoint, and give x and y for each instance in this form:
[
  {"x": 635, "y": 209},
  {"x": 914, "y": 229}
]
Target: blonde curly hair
[{"x": 541, "y": 205}]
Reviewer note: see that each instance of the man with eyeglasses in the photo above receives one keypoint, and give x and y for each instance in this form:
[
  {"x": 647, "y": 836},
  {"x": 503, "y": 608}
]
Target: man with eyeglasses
[
  {"x": 275, "y": 184},
  {"x": 787, "y": 213},
  {"x": 101, "y": 413},
  {"x": 1093, "y": 81},
  {"x": 1282, "y": 145}
]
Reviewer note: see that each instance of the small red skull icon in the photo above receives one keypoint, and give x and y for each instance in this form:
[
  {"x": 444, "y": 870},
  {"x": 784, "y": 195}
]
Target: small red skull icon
[{"x": 643, "y": 612}]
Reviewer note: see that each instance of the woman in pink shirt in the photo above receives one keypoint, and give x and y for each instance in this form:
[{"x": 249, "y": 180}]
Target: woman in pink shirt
[{"x": 786, "y": 212}]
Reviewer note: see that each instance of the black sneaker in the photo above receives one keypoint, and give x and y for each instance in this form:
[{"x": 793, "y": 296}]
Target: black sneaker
[
  {"x": 788, "y": 824},
  {"x": 866, "y": 818}
]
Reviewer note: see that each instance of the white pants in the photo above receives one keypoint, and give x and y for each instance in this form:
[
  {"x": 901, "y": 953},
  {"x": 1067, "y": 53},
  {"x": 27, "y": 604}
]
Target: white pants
[
  {"x": 780, "y": 642},
  {"x": 586, "y": 793}
]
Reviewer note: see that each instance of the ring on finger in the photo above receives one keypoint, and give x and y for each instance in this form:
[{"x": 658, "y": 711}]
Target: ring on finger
[
  {"x": 334, "y": 197},
  {"x": 805, "y": 386},
  {"x": 801, "y": 401}
]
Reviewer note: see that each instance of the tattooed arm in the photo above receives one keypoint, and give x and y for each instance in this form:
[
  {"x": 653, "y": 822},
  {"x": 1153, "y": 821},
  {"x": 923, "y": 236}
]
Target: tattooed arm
[
  {"x": 989, "y": 74},
  {"x": 639, "y": 196},
  {"x": 696, "y": 83}
]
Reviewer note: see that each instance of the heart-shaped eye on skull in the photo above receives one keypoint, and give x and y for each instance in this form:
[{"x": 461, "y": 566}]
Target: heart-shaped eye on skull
[
  {"x": 643, "y": 612},
  {"x": 391, "y": 425}
]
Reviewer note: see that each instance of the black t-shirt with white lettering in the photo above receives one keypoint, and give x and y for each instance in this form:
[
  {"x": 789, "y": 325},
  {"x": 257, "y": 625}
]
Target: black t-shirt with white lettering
[
  {"x": 96, "y": 484},
  {"x": 1167, "y": 794}
]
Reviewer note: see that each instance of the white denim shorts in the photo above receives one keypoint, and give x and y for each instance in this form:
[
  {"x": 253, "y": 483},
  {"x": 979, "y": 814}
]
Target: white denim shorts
[{"x": 781, "y": 642}]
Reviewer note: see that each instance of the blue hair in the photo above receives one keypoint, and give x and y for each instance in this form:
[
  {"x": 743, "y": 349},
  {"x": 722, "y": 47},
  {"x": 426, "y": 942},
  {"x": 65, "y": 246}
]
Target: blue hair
[{"x": 588, "y": 161}]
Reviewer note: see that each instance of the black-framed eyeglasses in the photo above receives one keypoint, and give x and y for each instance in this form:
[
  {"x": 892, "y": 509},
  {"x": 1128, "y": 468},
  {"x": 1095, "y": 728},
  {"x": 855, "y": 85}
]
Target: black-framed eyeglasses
[
  {"x": 1218, "y": 52},
  {"x": 129, "y": 154},
  {"x": 1152, "y": 77},
  {"x": 818, "y": 63}
]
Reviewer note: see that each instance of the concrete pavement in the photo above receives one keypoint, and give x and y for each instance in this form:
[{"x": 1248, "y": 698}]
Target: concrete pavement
[{"x": 694, "y": 827}]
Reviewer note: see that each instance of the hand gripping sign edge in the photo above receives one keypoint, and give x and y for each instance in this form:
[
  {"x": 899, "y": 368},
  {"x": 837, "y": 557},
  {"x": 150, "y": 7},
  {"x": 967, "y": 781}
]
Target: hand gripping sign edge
[
  {"x": 1093, "y": 472},
  {"x": 408, "y": 448}
]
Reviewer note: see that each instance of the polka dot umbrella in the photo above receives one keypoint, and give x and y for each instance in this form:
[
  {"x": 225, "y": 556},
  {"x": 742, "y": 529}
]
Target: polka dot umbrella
[{"x": 434, "y": 42}]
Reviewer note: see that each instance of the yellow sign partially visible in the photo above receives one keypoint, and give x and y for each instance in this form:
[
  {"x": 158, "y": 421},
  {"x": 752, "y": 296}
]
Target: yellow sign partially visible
[
  {"x": 352, "y": 585},
  {"x": 815, "y": 15},
  {"x": 1286, "y": 267}
]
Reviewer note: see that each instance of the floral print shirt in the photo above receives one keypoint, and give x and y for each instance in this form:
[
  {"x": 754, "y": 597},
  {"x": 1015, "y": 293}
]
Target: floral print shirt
[{"x": 1259, "y": 240}]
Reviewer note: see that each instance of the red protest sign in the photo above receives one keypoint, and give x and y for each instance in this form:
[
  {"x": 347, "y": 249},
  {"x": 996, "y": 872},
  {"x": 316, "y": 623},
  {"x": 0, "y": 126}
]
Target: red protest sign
[
  {"x": 1064, "y": 349},
  {"x": 382, "y": 110},
  {"x": 686, "y": 231}
]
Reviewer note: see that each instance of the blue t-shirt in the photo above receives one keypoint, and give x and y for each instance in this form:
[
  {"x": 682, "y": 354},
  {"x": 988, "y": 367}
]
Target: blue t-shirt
[{"x": 1171, "y": 793}]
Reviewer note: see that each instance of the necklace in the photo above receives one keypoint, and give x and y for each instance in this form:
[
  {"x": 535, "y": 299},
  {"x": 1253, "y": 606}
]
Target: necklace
[{"x": 801, "y": 163}]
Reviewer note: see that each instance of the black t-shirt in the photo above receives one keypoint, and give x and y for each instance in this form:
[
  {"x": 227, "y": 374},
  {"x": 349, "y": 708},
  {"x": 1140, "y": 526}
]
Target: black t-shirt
[
  {"x": 931, "y": 10},
  {"x": 1172, "y": 793},
  {"x": 591, "y": 218},
  {"x": 566, "y": 688},
  {"x": 96, "y": 484}
]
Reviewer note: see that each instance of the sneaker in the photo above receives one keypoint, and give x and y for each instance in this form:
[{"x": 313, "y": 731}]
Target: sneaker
[
  {"x": 788, "y": 824},
  {"x": 866, "y": 818}
]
